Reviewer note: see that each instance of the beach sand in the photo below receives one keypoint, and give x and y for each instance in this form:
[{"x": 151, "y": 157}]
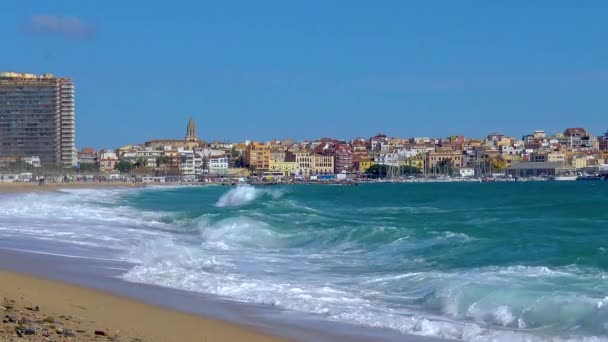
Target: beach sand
[
  {"x": 84, "y": 311},
  {"x": 34, "y": 187}
]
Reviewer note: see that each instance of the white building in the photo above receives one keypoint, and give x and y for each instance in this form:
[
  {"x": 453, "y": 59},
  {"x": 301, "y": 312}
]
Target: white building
[
  {"x": 218, "y": 165},
  {"x": 148, "y": 155},
  {"x": 188, "y": 163},
  {"x": 390, "y": 159}
]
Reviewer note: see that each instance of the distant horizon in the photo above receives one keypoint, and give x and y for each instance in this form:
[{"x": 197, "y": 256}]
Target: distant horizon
[{"x": 316, "y": 69}]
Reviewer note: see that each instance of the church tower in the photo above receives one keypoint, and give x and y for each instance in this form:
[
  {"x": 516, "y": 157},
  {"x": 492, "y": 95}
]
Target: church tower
[{"x": 191, "y": 131}]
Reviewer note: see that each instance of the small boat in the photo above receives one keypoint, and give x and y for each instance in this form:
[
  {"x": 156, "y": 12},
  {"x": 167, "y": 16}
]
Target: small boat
[
  {"x": 565, "y": 178},
  {"x": 589, "y": 177}
]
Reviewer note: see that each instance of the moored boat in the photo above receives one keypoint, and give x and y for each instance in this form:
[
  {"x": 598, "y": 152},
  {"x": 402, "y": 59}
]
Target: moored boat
[{"x": 565, "y": 178}]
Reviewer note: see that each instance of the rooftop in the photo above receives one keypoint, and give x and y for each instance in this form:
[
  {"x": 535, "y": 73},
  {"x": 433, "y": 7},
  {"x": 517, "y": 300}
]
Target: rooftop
[{"x": 21, "y": 75}]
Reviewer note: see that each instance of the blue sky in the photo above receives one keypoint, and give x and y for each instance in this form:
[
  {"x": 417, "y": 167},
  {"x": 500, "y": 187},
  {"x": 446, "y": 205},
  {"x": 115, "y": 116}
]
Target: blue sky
[{"x": 307, "y": 69}]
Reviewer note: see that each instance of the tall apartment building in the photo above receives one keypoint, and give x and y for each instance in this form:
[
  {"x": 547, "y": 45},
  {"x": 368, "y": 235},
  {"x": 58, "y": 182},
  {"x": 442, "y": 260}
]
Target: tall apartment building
[
  {"x": 37, "y": 118},
  {"x": 258, "y": 156}
]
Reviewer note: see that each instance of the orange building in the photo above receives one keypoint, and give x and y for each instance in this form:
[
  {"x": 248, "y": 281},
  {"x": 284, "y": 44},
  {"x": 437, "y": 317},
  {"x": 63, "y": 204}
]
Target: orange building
[{"x": 258, "y": 156}]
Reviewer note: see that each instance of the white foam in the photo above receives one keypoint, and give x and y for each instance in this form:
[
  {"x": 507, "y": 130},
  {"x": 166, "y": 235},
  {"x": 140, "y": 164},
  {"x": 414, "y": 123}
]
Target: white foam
[
  {"x": 77, "y": 217},
  {"x": 244, "y": 194}
]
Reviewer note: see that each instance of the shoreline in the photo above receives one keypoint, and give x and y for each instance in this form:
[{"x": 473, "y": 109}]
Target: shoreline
[
  {"x": 61, "y": 286},
  {"x": 34, "y": 187},
  {"x": 87, "y": 311}
]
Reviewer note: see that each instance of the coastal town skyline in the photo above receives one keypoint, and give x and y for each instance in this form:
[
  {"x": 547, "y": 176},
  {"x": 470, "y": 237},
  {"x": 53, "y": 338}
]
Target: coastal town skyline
[{"x": 37, "y": 122}]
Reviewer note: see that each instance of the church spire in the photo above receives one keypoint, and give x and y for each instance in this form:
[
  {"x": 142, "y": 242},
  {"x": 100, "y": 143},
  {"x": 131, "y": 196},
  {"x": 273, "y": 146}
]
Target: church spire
[{"x": 191, "y": 131}]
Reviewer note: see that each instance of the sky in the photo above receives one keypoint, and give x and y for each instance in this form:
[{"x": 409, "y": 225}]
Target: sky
[{"x": 318, "y": 68}]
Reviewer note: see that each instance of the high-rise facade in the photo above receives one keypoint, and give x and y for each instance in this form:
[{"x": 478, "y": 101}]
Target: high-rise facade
[{"x": 37, "y": 118}]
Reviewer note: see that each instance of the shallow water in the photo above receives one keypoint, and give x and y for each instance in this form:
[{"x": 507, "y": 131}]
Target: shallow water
[{"x": 474, "y": 262}]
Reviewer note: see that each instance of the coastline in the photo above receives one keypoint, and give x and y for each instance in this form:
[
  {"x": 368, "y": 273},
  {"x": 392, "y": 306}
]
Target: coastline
[
  {"x": 90, "y": 292},
  {"x": 86, "y": 311},
  {"x": 34, "y": 187}
]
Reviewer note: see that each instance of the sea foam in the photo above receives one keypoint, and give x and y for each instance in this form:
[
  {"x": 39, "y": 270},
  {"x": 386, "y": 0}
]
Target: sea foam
[{"x": 244, "y": 194}]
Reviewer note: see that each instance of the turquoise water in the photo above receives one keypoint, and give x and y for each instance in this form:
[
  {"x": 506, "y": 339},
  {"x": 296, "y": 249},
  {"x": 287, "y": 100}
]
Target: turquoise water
[
  {"x": 467, "y": 261},
  {"x": 452, "y": 260}
]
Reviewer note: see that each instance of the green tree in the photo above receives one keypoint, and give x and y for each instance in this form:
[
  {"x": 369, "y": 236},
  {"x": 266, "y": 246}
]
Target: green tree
[
  {"x": 378, "y": 171},
  {"x": 409, "y": 170},
  {"x": 234, "y": 153},
  {"x": 445, "y": 166},
  {"x": 123, "y": 166},
  {"x": 141, "y": 162},
  {"x": 161, "y": 160},
  {"x": 89, "y": 167}
]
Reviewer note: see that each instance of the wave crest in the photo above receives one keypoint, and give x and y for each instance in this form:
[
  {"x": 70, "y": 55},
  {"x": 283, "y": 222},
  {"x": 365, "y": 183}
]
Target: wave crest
[{"x": 243, "y": 195}]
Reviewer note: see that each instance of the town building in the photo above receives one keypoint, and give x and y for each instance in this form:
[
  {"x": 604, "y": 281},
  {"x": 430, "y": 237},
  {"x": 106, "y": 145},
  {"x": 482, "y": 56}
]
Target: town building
[
  {"x": 107, "y": 161},
  {"x": 451, "y": 158},
  {"x": 287, "y": 168},
  {"x": 258, "y": 156},
  {"x": 87, "y": 156},
  {"x": 322, "y": 164},
  {"x": 304, "y": 163},
  {"x": 37, "y": 118},
  {"x": 343, "y": 160},
  {"x": 218, "y": 165},
  {"x": 363, "y": 165},
  {"x": 538, "y": 169},
  {"x": 603, "y": 142},
  {"x": 190, "y": 142},
  {"x": 547, "y": 157}
]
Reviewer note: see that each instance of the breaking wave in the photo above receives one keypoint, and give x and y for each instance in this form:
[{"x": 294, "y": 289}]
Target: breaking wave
[{"x": 244, "y": 194}]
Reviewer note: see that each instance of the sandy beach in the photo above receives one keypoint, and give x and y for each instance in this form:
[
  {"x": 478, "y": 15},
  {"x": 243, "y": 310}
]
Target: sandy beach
[
  {"x": 34, "y": 187},
  {"x": 67, "y": 312}
]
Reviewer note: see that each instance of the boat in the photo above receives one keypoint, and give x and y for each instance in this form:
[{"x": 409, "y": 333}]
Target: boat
[
  {"x": 589, "y": 177},
  {"x": 565, "y": 178}
]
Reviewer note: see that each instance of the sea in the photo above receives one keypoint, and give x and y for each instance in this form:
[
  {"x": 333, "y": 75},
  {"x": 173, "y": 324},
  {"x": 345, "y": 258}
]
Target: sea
[{"x": 461, "y": 261}]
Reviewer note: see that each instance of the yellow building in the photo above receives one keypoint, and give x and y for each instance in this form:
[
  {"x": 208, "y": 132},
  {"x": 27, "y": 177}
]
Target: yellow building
[
  {"x": 417, "y": 161},
  {"x": 322, "y": 164},
  {"x": 435, "y": 158},
  {"x": 511, "y": 159},
  {"x": 287, "y": 168},
  {"x": 551, "y": 157},
  {"x": 578, "y": 162},
  {"x": 473, "y": 143},
  {"x": 503, "y": 142},
  {"x": 364, "y": 165},
  {"x": 303, "y": 162},
  {"x": 258, "y": 156},
  {"x": 556, "y": 157}
]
